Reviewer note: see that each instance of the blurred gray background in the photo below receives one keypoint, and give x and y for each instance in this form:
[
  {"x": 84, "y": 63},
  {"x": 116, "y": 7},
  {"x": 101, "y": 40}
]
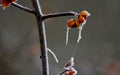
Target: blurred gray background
[{"x": 98, "y": 52}]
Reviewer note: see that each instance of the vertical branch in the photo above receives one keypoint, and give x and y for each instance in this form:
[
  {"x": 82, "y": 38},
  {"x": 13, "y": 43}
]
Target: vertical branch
[{"x": 42, "y": 36}]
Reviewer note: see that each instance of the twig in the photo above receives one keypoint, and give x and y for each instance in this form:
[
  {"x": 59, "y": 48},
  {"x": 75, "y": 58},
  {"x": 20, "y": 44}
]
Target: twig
[
  {"x": 23, "y": 7},
  {"x": 56, "y": 59},
  {"x": 52, "y": 15},
  {"x": 61, "y": 73},
  {"x": 42, "y": 36}
]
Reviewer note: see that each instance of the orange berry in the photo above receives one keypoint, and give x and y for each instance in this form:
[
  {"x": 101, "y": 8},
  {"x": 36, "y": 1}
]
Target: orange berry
[
  {"x": 83, "y": 14},
  {"x": 71, "y": 23},
  {"x": 70, "y": 73},
  {"x": 6, "y": 3}
]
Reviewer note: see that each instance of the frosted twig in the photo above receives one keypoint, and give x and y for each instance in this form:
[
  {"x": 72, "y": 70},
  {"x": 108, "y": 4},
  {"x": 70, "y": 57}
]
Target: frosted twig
[
  {"x": 67, "y": 34},
  {"x": 80, "y": 30},
  {"x": 23, "y": 7},
  {"x": 79, "y": 35},
  {"x": 56, "y": 59}
]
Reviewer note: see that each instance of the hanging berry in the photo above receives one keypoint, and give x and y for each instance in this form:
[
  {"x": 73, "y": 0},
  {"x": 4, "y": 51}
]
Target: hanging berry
[{"x": 77, "y": 23}]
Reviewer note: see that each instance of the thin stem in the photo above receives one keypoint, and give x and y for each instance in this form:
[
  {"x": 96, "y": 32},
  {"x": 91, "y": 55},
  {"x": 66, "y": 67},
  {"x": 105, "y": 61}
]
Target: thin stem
[
  {"x": 61, "y": 73},
  {"x": 56, "y": 59},
  {"x": 52, "y": 15},
  {"x": 42, "y": 37},
  {"x": 23, "y": 8}
]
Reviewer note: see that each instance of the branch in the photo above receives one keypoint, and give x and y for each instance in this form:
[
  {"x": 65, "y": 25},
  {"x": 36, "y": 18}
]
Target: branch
[
  {"x": 52, "y": 15},
  {"x": 23, "y": 8},
  {"x": 42, "y": 36}
]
